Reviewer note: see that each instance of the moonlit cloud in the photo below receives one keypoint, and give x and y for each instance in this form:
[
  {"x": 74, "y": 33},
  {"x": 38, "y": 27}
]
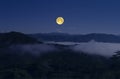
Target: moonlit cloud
[
  {"x": 92, "y": 47},
  {"x": 105, "y": 49}
]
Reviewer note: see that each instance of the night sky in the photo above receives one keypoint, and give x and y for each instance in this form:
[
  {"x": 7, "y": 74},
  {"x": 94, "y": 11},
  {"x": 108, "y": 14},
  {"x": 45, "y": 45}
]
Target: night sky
[{"x": 81, "y": 16}]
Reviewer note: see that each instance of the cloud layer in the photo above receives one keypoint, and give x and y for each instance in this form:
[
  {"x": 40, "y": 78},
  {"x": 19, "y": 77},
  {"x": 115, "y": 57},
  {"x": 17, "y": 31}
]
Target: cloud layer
[
  {"x": 105, "y": 49},
  {"x": 92, "y": 47}
]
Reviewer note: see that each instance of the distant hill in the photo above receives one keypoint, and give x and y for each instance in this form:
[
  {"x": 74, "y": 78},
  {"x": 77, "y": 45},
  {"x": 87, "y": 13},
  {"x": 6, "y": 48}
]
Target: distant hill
[
  {"x": 15, "y": 38},
  {"x": 62, "y": 37}
]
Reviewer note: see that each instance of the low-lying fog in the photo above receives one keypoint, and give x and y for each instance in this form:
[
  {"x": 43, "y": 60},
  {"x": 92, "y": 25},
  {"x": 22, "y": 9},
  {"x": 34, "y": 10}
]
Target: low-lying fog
[
  {"x": 33, "y": 48},
  {"x": 105, "y": 49},
  {"x": 92, "y": 47}
]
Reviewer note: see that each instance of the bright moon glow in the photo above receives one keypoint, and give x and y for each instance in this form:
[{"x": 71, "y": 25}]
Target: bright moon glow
[{"x": 60, "y": 20}]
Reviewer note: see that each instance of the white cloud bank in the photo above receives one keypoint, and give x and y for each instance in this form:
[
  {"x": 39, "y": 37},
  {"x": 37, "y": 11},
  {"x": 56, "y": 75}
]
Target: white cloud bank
[
  {"x": 92, "y": 47},
  {"x": 105, "y": 49}
]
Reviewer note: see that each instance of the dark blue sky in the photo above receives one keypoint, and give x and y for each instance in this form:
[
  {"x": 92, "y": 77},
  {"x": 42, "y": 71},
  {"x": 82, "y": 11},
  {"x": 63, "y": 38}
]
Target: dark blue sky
[{"x": 81, "y": 16}]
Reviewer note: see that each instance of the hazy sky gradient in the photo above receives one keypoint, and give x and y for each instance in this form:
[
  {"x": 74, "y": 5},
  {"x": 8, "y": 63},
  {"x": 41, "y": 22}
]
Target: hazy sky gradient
[{"x": 81, "y": 16}]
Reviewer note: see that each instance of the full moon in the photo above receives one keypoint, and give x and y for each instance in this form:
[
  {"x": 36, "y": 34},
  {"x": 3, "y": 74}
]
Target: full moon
[{"x": 60, "y": 20}]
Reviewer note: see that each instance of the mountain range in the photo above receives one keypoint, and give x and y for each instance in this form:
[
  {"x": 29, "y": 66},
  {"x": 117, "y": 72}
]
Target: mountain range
[
  {"x": 20, "y": 38},
  {"x": 63, "y": 37}
]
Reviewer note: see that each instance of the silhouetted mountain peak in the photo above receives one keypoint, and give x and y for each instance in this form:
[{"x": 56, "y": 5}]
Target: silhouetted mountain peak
[{"x": 16, "y": 38}]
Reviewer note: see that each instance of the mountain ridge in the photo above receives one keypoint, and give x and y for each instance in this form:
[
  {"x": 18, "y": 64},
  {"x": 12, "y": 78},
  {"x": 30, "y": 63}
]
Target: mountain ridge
[
  {"x": 64, "y": 37},
  {"x": 10, "y": 38}
]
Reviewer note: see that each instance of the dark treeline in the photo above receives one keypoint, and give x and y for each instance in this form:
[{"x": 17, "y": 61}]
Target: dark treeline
[{"x": 64, "y": 64}]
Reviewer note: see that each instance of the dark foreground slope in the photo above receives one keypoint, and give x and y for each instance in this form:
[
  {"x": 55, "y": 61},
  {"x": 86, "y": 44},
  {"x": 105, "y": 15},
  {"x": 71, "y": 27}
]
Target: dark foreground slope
[{"x": 63, "y": 64}]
